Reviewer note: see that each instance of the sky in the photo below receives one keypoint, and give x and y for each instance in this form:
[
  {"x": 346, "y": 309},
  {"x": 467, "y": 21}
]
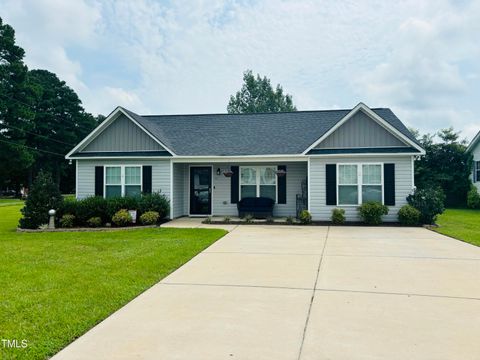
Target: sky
[{"x": 419, "y": 58}]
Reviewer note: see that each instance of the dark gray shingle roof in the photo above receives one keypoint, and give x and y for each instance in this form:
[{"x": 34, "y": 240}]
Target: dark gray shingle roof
[{"x": 248, "y": 134}]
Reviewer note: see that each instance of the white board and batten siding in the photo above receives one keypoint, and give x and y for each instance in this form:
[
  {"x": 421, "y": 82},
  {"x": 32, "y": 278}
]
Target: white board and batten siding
[
  {"x": 86, "y": 174},
  {"x": 322, "y": 212},
  {"x": 476, "y": 157}
]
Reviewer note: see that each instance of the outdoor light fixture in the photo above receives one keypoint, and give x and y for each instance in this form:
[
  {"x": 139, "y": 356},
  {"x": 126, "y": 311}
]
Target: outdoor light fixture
[
  {"x": 218, "y": 171},
  {"x": 281, "y": 173}
]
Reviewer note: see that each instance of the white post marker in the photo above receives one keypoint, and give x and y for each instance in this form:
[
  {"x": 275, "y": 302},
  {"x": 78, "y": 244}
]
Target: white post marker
[{"x": 51, "y": 220}]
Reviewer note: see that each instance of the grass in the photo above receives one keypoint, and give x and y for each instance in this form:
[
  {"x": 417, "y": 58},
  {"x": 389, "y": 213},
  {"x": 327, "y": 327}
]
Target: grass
[
  {"x": 8, "y": 202},
  {"x": 56, "y": 286},
  {"x": 461, "y": 224}
]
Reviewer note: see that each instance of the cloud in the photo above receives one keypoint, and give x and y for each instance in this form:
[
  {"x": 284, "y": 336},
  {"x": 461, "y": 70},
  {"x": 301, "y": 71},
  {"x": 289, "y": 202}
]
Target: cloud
[{"x": 186, "y": 56}]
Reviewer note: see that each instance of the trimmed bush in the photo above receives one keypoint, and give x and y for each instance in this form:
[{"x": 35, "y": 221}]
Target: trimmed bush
[
  {"x": 473, "y": 198},
  {"x": 154, "y": 202},
  {"x": 44, "y": 195},
  {"x": 67, "y": 221},
  {"x": 371, "y": 212},
  {"x": 408, "y": 215},
  {"x": 94, "y": 222},
  {"x": 67, "y": 206},
  {"x": 430, "y": 203},
  {"x": 305, "y": 217},
  {"x": 116, "y": 204},
  {"x": 338, "y": 216},
  {"x": 149, "y": 218},
  {"x": 122, "y": 218},
  {"x": 93, "y": 206}
]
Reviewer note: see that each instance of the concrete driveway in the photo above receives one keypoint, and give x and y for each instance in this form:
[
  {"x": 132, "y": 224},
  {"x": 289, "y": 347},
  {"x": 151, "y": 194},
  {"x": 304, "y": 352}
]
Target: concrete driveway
[{"x": 286, "y": 292}]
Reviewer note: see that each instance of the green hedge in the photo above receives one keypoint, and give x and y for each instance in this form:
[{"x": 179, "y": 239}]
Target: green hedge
[{"x": 97, "y": 207}]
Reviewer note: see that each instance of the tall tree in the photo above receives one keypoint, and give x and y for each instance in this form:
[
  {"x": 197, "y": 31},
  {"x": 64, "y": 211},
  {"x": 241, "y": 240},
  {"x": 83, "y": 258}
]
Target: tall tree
[
  {"x": 258, "y": 95},
  {"x": 59, "y": 123},
  {"x": 15, "y": 113},
  {"x": 446, "y": 164}
]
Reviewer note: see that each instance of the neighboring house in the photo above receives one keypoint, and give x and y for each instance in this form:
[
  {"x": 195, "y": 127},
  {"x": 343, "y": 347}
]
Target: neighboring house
[
  {"x": 319, "y": 160},
  {"x": 474, "y": 149}
]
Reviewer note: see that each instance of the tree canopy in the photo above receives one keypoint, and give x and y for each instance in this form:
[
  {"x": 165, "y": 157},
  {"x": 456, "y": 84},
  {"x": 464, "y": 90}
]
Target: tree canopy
[
  {"x": 446, "y": 164},
  {"x": 258, "y": 95},
  {"x": 41, "y": 119}
]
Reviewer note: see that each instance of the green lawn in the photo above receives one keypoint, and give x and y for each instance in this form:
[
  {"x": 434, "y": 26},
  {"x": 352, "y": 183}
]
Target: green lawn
[
  {"x": 8, "y": 202},
  {"x": 56, "y": 286},
  {"x": 461, "y": 224}
]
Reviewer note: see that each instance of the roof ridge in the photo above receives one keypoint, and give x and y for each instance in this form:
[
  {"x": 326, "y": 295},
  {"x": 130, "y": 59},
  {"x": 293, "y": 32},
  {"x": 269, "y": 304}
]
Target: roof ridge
[{"x": 259, "y": 113}]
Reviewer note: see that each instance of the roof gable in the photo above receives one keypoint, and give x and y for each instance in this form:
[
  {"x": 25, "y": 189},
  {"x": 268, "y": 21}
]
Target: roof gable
[
  {"x": 474, "y": 143},
  {"x": 360, "y": 131},
  {"x": 122, "y": 135}
]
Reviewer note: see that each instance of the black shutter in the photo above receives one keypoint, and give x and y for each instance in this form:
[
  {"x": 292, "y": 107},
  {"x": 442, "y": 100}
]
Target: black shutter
[
  {"x": 331, "y": 183},
  {"x": 234, "y": 184},
  {"x": 147, "y": 179},
  {"x": 98, "y": 180},
  {"x": 282, "y": 186},
  {"x": 389, "y": 184}
]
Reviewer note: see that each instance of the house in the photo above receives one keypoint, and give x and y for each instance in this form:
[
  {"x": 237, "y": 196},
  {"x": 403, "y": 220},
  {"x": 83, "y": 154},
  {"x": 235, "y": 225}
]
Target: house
[
  {"x": 318, "y": 160},
  {"x": 474, "y": 149}
]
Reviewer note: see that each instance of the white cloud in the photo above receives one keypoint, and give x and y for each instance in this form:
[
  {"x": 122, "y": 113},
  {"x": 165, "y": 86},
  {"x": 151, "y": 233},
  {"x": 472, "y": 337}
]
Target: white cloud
[{"x": 420, "y": 58}]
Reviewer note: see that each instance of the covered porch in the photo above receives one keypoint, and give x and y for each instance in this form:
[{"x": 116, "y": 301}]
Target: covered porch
[{"x": 213, "y": 189}]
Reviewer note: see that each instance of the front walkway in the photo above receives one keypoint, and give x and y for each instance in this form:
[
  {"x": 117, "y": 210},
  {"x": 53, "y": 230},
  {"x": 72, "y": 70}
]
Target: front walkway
[{"x": 281, "y": 292}]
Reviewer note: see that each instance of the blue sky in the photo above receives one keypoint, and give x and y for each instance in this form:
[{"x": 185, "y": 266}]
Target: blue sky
[{"x": 420, "y": 58}]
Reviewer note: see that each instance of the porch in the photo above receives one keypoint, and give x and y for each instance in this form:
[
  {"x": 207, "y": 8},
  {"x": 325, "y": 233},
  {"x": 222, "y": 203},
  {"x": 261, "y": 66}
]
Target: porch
[{"x": 212, "y": 189}]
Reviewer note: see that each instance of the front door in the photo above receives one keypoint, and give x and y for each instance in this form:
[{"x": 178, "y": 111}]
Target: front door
[{"x": 200, "y": 190}]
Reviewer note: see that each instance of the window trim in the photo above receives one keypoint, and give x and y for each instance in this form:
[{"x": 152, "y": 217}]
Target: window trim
[
  {"x": 122, "y": 178},
  {"x": 360, "y": 182},
  {"x": 257, "y": 180}
]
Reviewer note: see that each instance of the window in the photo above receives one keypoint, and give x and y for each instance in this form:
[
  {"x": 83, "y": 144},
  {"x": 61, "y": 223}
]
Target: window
[
  {"x": 359, "y": 183},
  {"x": 123, "y": 181},
  {"x": 258, "y": 181},
  {"x": 477, "y": 171}
]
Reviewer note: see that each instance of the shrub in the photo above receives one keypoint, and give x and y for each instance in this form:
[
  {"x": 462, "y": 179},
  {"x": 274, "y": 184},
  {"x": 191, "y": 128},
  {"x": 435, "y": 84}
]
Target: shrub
[
  {"x": 94, "y": 222},
  {"x": 473, "y": 198},
  {"x": 122, "y": 218},
  {"x": 338, "y": 216},
  {"x": 305, "y": 217},
  {"x": 93, "y": 206},
  {"x": 116, "y": 204},
  {"x": 290, "y": 220},
  {"x": 408, "y": 215},
  {"x": 67, "y": 206},
  {"x": 227, "y": 219},
  {"x": 67, "y": 221},
  {"x": 44, "y": 195},
  {"x": 154, "y": 202},
  {"x": 149, "y": 218},
  {"x": 371, "y": 212},
  {"x": 207, "y": 220},
  {"x": 430, "y": 203},
  {"x": 249, "y": 218}
]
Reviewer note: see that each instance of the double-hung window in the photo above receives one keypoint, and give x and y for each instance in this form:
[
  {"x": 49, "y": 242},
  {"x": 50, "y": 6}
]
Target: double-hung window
[
  {"x": 123, "y": 181},
  {"x": 359, "y": 183},
  {"x": 258, "y": 181}
]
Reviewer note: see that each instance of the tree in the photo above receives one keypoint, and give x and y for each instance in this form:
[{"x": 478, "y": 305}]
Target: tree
[
  {"x": 43, "y": 196},
  {"x": 447, "y": 165},
  {"x": 59, "y": 123},
  {"x": 258, "y": 95},
  {"x": 15, "y": 113}
]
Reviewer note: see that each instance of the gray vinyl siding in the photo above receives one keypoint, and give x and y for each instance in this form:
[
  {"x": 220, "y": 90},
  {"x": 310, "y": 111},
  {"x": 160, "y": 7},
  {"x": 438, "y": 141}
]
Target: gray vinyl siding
[
  {"x": 86, "y": 174},
  {"x": 123, "y": 135},
  {"x": 179, "y": 193},
  {"x": 360, "y": 131},
  {"x": 221, "y": 206},
  {"x": 321, "y": 212}
]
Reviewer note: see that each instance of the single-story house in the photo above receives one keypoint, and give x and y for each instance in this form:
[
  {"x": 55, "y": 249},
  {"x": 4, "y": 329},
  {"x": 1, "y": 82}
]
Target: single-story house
[
  {"x": 474, "y": 149},
  {"x": 315, "y": 160}
]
